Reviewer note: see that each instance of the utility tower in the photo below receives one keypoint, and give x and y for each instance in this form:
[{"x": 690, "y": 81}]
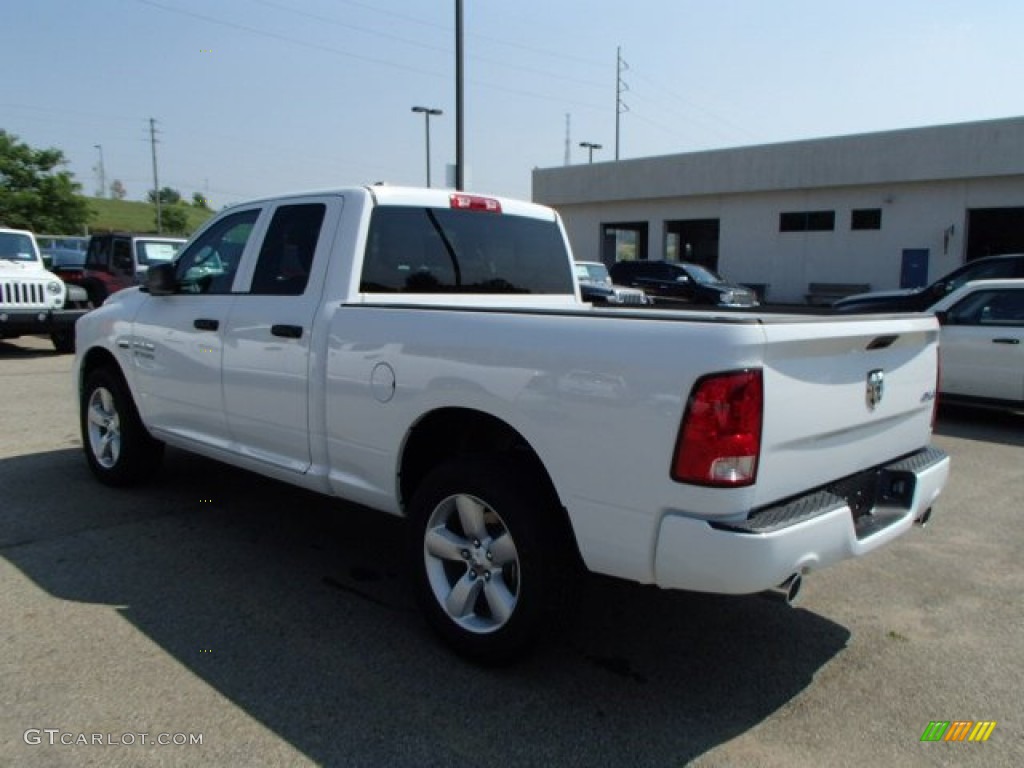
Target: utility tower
[
  {"x": 620, "y": 88},
  {"x": 156, "y": 181}
]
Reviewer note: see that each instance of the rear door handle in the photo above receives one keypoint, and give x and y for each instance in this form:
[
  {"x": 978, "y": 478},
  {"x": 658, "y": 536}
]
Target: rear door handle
[
  {"x": 1006, "y": 341},
  {"x": 206, "y": 324},
  {"x": 287, "y": 331}
]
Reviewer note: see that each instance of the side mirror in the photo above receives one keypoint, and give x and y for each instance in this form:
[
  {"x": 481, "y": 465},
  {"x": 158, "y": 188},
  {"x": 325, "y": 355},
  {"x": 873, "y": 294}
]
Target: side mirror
[
  {"x": 943, "y": 317},
  {"x": 160, "y": 280}
]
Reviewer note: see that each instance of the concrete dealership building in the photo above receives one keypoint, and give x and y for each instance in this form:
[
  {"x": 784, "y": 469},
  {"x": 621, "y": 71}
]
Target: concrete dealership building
[{"x": 879, "y": 210}]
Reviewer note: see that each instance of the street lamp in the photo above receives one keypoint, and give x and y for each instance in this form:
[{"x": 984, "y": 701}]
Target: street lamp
[
  {"x": 427, "y": 112},
  {"x": 590, "y": 147}
]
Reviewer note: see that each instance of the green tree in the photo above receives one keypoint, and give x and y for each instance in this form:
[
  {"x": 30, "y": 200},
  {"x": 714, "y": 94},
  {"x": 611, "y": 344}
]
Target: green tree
[
  {"x": 34, "y": 194},
  {"x": 174, "y": 219},
  {"x": 199, "y": 201},
  {"x": 168, "y": 196},
  {"x": 117, "y": 190}
]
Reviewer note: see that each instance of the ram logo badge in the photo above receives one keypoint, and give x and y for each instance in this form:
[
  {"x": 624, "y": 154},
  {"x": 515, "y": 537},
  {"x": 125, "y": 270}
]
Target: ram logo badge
[{"x": 876, "y": 388}]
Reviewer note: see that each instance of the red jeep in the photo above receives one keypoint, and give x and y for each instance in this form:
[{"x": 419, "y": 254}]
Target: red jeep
[{"x": 118, "y": 260}]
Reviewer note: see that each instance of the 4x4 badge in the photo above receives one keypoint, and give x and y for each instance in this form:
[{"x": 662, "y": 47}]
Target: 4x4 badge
[{"x": 876, "y": 388}]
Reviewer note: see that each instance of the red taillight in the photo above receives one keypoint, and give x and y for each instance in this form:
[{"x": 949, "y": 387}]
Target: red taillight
[
  {"x": 719, "y": 442},
  {"x": 475, "y": 203}
]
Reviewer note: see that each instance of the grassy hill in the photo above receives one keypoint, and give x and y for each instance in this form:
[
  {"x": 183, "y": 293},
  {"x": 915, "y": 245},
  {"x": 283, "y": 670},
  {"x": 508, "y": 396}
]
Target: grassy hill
[{"x": 135, "y": 216}]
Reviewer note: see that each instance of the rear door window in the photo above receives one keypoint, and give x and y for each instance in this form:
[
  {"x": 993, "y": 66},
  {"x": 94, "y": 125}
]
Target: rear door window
[{"x": 287, "y": 254}]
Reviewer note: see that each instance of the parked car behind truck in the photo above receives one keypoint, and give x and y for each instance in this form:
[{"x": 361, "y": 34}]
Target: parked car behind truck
[
  {"x": 983, "y": 344},
  {"x": 676, "y": 281},
  {"x": 1009, "y": 265},
  {"x": 428, "y": 355},
  {"x": 596, "y": 286},
  {"x": 32, "y": 300},
  {"x": 118, "y": 260}
]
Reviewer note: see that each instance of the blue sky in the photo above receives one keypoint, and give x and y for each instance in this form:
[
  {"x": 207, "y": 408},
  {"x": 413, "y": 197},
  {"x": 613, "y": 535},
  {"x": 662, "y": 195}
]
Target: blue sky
[{"x": 258, "y": 97}]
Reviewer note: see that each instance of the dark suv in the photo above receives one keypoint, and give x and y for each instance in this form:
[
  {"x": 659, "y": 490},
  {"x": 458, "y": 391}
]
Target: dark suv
[
  {"x": 921, "y": 299},
  {"x": 680, "y": 281},
  {"x": 118, "y": 260}
]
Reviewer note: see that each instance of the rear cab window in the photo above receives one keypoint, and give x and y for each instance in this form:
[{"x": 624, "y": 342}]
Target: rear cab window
[{"x": 420, "y": 250}]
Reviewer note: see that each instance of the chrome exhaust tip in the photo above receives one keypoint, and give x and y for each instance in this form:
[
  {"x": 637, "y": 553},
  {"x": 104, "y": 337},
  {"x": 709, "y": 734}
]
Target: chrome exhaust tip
[{"x": 787, "y": 592}]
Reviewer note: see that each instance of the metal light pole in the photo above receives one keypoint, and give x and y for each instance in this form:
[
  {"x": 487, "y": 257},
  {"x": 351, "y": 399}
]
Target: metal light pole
[
  {"x": 102, "y": 172},
  {"x": 590, "y": 147},
  {"x": 460, "y": 160},
  {"x": 427, "y": 112}
]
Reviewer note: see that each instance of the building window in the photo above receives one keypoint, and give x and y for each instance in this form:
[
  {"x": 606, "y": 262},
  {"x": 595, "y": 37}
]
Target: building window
[
  {"x": 623, "y": 242},
  {"x": 807, "y": 221},
  {"x": 866, "y": 218}
]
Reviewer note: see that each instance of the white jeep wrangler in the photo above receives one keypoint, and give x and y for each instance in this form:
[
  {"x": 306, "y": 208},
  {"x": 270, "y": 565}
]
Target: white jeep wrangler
[{"x": 33, "y": 300}]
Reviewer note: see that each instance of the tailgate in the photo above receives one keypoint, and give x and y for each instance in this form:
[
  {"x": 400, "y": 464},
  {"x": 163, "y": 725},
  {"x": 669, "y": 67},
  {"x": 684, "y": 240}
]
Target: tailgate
[{"x": 842, "y": 395}]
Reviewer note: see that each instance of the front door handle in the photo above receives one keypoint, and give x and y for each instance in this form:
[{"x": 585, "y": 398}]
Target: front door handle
[
  {"x": 287, "y": 331},
  {"x": 1006, "y": 341},
  {"x": 205, "y": 324}
]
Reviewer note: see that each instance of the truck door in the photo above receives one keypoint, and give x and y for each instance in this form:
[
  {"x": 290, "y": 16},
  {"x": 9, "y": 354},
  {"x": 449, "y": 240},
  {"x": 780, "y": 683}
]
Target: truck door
[
  {"x": 177, "y": 341},
  {"x": 268, "y": 333}
]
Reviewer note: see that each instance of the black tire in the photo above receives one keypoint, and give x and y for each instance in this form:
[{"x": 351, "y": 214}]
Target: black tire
[
  {"x": 117, "y": 446},
  {"x": 489, "y": 557},
  {"x": 97, "y": 293},
  {"x": 64, "y": 340}
]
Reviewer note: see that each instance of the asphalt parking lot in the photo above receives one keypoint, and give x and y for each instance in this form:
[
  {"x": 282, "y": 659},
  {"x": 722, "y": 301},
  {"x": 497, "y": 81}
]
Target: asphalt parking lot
[{"x": 276, "y": 626}]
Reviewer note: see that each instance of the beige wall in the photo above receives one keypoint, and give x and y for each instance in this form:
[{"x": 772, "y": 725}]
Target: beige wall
[
  {"x": 753, "y": 250},
  {"x": 924, "y": 180}
]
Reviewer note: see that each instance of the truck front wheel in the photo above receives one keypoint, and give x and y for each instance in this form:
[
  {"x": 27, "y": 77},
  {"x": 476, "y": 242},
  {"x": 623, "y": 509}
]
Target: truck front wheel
[
  {"x": 486, "y": 556},
  {"x": 117, "y": 446}
]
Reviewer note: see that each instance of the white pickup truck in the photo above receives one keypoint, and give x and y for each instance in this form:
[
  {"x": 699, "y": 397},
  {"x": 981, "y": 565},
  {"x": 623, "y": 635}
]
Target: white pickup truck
[{"x": 427, "y": 354}]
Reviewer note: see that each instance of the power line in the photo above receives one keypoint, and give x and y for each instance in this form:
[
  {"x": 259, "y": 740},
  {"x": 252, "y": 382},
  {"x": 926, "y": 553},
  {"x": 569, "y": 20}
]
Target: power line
[
  {"x": 356, "y": 27},
  {"x": 477, "y": 36},
  {"x": 286, "y": 39},
  {"x": 738, "y": 130},
  {"x": 448, "y": 50}
]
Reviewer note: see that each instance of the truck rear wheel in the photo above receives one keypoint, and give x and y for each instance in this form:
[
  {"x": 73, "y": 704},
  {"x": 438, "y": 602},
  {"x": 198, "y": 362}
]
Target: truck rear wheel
[
  {"x": 117, "y": 446},
  {"x": 486, "y": 555}
]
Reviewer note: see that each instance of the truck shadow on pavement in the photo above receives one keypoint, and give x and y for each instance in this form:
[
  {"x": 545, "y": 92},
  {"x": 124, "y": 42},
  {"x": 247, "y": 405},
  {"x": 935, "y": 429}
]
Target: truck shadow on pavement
[
  {"x": 295, "y": 608},
  {"x": 992, "y": 426}
]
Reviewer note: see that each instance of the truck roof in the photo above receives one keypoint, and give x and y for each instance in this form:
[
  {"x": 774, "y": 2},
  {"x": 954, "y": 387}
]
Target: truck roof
[{"x": 385, "y": 194}]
